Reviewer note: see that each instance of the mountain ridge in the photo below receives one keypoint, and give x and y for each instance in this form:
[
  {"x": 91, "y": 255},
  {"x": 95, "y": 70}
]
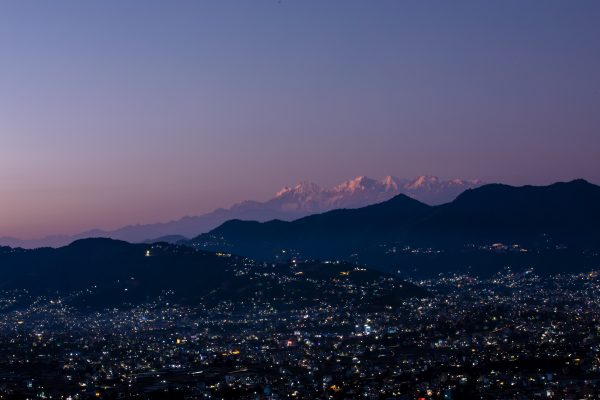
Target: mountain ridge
[
  {"x": 288, "y": 204},
  {"x": 560, "y": 215},
  {"x": 122, "y": 274}
]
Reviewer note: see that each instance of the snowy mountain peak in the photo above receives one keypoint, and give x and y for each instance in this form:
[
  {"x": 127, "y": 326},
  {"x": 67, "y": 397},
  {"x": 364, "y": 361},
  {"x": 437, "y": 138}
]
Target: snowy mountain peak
[
  {"x": 423, "y": 181},
  {"x": 362, "y": 190},
  {"x": 285, "y": 190},
  {"x": 390, "y": 183},
  {"x": 303, "y": 188},
  {"x": 360, "y": 183}
]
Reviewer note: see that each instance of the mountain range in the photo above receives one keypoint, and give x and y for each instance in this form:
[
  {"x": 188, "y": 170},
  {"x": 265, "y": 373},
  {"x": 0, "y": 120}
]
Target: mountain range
[
  {"x": 541, "y": 218},
  {"x": 288, "y": 204}
]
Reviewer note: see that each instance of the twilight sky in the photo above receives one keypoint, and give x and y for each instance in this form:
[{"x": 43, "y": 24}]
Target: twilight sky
[{"x": 119, "y": 112}]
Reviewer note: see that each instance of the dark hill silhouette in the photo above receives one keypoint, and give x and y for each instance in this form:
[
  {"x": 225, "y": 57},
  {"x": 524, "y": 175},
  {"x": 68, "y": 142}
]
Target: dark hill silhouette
[
  {"x": 561, "y": 206},
  {"x": 567, "y": 213},
  {"x": 333, "y": 232},
  {"x": 115, "y": 271},
  {"x": 98, "y": 273}
]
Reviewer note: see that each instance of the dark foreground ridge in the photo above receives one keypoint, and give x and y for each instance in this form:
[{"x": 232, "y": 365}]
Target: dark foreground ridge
[{"x": 96, "y": 273}]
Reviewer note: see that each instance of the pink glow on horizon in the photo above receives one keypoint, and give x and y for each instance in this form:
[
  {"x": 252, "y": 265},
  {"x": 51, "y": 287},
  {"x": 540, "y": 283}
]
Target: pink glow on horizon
[{"x": 114, "y": 114}]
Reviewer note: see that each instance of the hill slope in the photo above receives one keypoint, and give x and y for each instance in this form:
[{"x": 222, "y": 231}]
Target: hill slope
[
  {"x": 560, "y": 214},
  {"x": 321, "y": 235},
  {"x": 97, "y": 273}
]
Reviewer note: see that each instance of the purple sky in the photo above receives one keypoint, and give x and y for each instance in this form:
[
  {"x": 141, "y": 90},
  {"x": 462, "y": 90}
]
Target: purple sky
[{"x": 118, "y": 112}]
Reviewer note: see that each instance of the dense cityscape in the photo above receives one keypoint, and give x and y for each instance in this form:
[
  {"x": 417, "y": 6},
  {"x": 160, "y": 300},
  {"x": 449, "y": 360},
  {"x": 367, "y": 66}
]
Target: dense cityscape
[{"x": 514, "y": 335}]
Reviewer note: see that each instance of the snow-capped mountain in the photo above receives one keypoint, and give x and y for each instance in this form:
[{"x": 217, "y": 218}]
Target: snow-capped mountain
[
  {"x": 288, "y": 204},
  {"x": 362, "y": 191},
  {"x": 433, "y": 191}
]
